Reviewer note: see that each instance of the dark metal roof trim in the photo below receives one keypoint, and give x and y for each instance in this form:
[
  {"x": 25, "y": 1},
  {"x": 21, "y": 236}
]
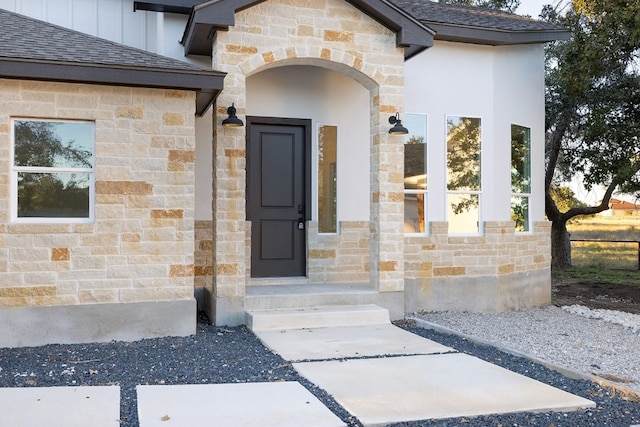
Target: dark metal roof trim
[
  {"x": 171, "y": 6},
  {"x": 494, "y": 37},
  {"x": 206, "y": 18},
  {"x": 206, "y": 85}
]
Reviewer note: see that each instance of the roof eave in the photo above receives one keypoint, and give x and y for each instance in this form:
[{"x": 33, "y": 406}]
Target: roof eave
[
  {"x": 494, "y": 37},
  {"x": 207, "y": 85}
]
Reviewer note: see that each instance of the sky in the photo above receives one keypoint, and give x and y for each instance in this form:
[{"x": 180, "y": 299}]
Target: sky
[{"x": 532, "y": 7}]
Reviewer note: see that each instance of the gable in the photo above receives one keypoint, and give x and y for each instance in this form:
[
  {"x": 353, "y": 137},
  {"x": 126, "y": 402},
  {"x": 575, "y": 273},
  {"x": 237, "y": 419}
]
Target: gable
[{"x": 205, "y": 18}]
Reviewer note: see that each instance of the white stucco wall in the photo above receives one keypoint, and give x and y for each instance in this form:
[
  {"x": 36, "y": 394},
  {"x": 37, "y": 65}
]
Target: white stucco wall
[
  {"x": 520, "y": 89},
  {"x": 501, "y": 86},
  {"x": 327, "y": 98}
]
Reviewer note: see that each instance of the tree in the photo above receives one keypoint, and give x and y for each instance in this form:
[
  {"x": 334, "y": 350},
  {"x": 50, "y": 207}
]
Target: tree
[{"x": 592, "y": 99}]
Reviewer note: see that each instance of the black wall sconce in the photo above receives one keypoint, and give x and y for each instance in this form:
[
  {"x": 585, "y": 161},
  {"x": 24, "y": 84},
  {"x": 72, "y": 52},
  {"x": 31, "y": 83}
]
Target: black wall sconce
[
  {"x": 232, "y": 120},
  {"x": 397, "y": 128}
]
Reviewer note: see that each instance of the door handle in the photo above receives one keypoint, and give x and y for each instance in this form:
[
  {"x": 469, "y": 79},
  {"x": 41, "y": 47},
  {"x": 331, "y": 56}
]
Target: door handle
[{"x": 300, "y": 224}]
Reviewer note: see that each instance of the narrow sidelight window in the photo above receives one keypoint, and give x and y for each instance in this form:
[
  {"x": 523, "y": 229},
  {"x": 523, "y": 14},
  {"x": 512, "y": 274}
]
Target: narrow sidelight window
[
  {"x": 327, "y": 179},
  {"x": 520, "y": 176},
  {"x": 415, "y": 173}
]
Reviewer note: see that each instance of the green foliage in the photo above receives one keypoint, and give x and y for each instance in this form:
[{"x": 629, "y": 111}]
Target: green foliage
[
  {"x": 597, "y": 274},
  {"x": 565, "y": 198},
  {"x": 593, "y": 90},
  {"x": 506, "y": 5}
]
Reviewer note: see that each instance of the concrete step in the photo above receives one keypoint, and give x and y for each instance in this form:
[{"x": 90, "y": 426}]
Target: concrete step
[
  {"x": 316, "y": 317},
  {"x": 266, "y": 297}
]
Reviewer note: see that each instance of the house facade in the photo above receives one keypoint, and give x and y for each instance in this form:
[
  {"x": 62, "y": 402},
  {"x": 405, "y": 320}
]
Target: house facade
[{"x": 310, "y": 201}]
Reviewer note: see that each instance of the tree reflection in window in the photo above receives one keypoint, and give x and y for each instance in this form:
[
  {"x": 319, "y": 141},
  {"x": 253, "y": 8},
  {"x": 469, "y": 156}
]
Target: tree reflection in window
[
  {"x": 53, "y": 164},
  {"x": 463, "y": 173},
  {"x": 520, "y": 176}
]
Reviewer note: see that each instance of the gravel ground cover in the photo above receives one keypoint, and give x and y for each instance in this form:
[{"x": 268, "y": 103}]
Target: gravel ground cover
[
  {"x": 604, "y": 343},
  {"x": 227, "y": 355}
]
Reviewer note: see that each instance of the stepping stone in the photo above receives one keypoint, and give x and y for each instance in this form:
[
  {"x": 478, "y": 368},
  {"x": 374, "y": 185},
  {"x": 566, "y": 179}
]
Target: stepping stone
[
  {"x": 60, "y": 406},
  {"x": 347, "y": 341},
  {"x": 409, "y": 388},
  {"x": 277, "y": 404}
]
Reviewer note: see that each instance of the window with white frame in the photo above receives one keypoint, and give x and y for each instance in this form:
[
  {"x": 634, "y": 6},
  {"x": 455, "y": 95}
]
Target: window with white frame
[
  {"x": 52, "y": 171},
  {"x": 464, "y": 138},
  {"x": 415, "y": 173},
  {"x": 520, "y": 176}
]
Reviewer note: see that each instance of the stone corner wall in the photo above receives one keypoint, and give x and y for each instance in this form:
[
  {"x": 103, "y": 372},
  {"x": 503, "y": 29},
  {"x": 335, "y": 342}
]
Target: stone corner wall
[{"x": 498, "y": 271}]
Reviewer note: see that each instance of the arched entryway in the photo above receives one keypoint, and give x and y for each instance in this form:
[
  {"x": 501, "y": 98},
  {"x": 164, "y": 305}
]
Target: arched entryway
[{"x": 311, "y": 125}]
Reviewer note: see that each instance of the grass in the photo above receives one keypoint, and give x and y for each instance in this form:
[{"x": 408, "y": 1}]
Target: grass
[
  {"x": 592, "y": 274},
  {"x": 604, "y": 262}
]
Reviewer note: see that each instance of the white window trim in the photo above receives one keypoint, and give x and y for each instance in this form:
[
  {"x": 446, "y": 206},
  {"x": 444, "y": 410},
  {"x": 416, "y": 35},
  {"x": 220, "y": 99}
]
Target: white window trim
[
  {"x": 13, "y": 188},
  {"x": 529, "y": 194},
  {"x": 475, "y": 192}
]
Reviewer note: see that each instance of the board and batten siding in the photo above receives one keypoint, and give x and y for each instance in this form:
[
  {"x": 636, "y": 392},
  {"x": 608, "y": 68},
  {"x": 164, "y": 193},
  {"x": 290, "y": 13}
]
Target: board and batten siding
[{"x": 113, "y": 20}]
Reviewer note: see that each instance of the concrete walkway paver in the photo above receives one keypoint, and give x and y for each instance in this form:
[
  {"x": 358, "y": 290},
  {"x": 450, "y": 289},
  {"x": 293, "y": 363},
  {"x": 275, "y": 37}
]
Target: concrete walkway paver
[
  {"x": 60, "y": 406},
  {"x": 347, "y": 341},
  {"x": 395, "y": 389},
  {"x": 383, "y": 374},
  {"x": 278, "y": 404}
]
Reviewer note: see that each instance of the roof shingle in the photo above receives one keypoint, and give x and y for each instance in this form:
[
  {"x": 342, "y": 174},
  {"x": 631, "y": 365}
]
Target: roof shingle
[
  {"x": 37, "y": 50},
  {"x": 471, "y": 16},
  {"x": 28, "y": 38}
]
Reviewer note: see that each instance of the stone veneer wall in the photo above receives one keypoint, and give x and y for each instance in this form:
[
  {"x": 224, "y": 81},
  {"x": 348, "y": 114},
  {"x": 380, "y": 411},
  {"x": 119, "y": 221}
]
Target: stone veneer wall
[
  {"x": 325, "y": 33},
  {"x": 498, "y": 271},
  {"x": 138, "y": 253},
  {"x": 339, "y": 258},
  {"x": 203, "y": 256}
]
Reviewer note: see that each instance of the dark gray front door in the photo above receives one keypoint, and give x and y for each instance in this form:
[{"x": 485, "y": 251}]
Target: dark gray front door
[{"x": 277, "y": 205}]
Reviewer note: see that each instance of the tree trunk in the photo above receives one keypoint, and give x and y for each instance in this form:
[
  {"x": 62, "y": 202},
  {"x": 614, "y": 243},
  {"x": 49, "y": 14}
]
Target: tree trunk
[{"x": 560, "y": 245}]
